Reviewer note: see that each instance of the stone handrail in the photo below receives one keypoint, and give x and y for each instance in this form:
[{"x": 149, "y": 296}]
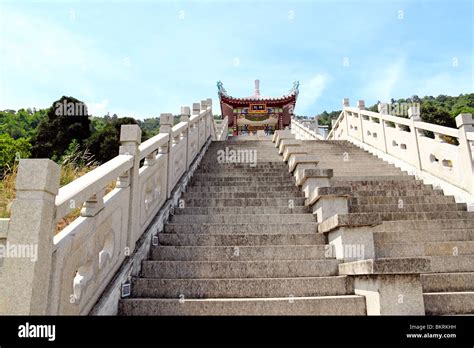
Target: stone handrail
[
  {"x": 445, "y": 160},
  {"x": 222, "y": 129},
  {"x": 72, "y": 268},
  {"x": 152, "y": 144},
  {"x": 303, "y": 132}
]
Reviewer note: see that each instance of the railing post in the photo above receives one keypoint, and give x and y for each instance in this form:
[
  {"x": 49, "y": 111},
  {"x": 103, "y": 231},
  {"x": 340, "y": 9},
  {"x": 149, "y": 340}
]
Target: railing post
[
  {"x": 24, "y": 287},
  {"x": 130, "y": 139},
  {"x": 196, "y": 111},
  {"x": 210, "y": 117},
  {"x": 465, "y": 124},
  {"x": 414, "y": 115},
  {"x": 205, "y": 119},
  {"x": 345, "y": 104},
  {"x": 383, "y": 110},
  {"x": 361, "y": 106},
  {"x": 166, "y": 123},
  {"x": 185, "y": 113}
]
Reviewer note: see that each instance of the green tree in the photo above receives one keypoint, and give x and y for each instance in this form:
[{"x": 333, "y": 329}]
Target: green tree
[
  {"x": 12, "y": 150},
  {"x": 58, "y": 129},
  {"x": 104, "y": 144}
]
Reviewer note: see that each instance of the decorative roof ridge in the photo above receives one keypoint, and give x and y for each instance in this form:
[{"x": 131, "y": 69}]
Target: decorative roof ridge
[{"x": 294, "y": 91}]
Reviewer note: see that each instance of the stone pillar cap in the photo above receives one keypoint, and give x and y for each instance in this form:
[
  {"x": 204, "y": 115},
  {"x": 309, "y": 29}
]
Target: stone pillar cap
[
  {"x": 185, "y": 111},
  {"x": 166, "y": 119},
  {"x": 130, "y": 132},
  {"x": 464, "y": 119},
  {"x": 38, "y": 175}
]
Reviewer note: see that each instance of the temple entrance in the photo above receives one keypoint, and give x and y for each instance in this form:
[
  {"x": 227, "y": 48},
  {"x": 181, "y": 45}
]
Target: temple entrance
[
  {"x": 248, "y": 129},
  {"x": 249, "y": 115}
]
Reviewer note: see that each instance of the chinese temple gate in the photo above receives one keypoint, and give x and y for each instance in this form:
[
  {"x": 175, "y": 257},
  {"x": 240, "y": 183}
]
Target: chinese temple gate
[{"x": 249, "y": 114}]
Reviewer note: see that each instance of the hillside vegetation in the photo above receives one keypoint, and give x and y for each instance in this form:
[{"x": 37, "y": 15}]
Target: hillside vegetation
[{"x": 440, "y": 110}]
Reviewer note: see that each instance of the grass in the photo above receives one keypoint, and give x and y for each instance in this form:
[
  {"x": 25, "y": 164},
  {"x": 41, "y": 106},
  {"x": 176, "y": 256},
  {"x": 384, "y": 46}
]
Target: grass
[
  {"x": 69, "y": 172},
  {"x": 7, "y": 192}
]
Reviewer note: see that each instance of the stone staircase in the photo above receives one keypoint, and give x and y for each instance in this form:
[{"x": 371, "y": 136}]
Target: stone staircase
[
  {"x": 243, "y": 244},
  {"x": 246, "y": 241},
  {"x": 417, "y": 221}
]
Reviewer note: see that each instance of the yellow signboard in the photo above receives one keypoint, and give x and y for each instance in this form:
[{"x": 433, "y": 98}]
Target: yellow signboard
[{"x": 260, "y": 108}]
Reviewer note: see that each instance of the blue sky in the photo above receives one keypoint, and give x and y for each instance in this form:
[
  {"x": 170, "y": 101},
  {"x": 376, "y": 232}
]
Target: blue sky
[{"x": 142, "y": 58}]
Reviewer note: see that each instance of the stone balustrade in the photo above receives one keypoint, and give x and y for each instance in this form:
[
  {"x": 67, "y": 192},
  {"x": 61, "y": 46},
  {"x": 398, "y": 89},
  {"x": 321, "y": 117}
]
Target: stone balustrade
[
  {"x": 222, "y": 129},
  {"x": 304, "y": 130},
  {"x": 446, "y": 160},
  {"x": 119, "y": 200}
]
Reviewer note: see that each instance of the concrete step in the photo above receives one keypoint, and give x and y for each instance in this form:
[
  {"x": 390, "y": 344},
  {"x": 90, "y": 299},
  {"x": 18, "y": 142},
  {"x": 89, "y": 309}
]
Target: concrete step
[
  {"x": 193, "y": 239},
  {"x": 360, "y": 180},
  {"x": 244, "y": 202},
  {"x": 241, "y": 210},
  {"x": 404, "y": 207},
  {"x": 258, "y": 181},
  {"x": 242, "y": 288},
  {"x": 262, "y": 158},
  {"x": 329, "y": 152},
  {"x": 243, "y": 228},
  {"x": 348, "y": 171},
  {"x": 424, "y": 225},
  {"x": 449, "y": 264},
  {"x": 249, "y": 157},
  {"x": 397, "y": 193},
  {"x": 214, "y": 179},
  {"x": 419, "y": 216},
  {"x": 451, "y": 248},
  {"x": 288, "y": 187},
  {"x": 240, "y": 253},
  {"x": 411, "y": 236},
  {"x": 239, "y": 269},
  {"x": 255, "y": 194},
  {"x": 358, "y": 183},
  {"x": 241, "y": 170},
  {"x": 231, "y": 166},
  {"x": 243, "y": 218},
  {"x": 324, "y": 305},
  {"x": 447, "y": 282},
  {"x": 219, "y": 176},
  {"x": 449, "y": 303},
  {"x": 404, "y": 199}
]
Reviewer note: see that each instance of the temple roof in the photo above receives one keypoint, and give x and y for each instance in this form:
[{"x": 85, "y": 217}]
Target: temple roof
[{"x": 291, "y": 96}]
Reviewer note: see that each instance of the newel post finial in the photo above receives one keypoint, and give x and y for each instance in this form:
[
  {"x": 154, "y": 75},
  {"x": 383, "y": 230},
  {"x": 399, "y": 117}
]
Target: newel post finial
[
  {"x": 166, "y": 122},
  {"x": 196, "y": 108},
  {"x": 185, "y": 113}
]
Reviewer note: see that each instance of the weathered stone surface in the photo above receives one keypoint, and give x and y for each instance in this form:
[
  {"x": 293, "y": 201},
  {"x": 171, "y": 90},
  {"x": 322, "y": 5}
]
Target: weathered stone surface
[
  {"x": 409, "y": 265},
  {"x": 339, "y": 220}
]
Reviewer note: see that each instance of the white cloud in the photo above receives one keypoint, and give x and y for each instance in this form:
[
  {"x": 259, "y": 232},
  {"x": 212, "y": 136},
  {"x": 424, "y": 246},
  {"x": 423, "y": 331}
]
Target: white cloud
[
  {"x": 127, "y": 62},
  {"x": 383, "y": 82},
  {"x": 310, "y": 91},
  {"x": 97, "y": 108},
  {"x": 443, "y": 83},
  {"x": 54, "y": 61}
]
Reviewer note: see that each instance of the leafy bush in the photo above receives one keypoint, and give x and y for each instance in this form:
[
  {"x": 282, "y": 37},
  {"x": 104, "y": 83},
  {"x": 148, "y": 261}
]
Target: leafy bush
[{"x": 11, "y": 150}]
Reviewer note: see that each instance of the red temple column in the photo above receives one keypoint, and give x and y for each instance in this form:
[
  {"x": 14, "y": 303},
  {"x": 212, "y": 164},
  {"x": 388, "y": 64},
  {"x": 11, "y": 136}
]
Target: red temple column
[{"x": 236, "y": 131}]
